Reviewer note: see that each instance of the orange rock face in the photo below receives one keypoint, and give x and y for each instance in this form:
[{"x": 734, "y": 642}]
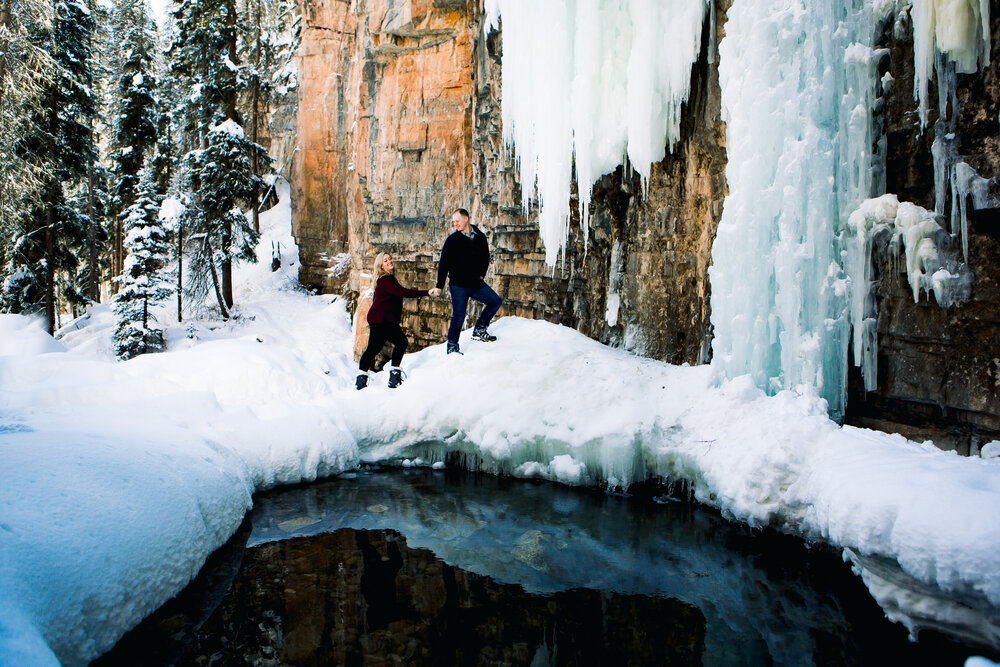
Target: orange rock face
[{"x": 384, "y": 146}]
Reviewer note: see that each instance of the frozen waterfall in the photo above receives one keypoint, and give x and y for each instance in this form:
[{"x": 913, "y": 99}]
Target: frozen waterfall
[
  {"x": 792, "y": 268},
  {"x": 798, "y": 84}
]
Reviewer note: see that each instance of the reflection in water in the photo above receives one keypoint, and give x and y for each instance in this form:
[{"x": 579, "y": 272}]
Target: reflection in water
[{"x": 420, "y": 567}]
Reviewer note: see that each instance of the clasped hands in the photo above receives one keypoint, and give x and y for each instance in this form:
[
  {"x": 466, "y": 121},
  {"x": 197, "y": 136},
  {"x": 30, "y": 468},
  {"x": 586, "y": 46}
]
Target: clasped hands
[{"x": 434, "y": 291}]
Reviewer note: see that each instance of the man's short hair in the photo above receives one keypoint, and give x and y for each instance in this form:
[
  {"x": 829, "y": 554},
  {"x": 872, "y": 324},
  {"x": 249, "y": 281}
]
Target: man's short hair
[{"x": 462, "y": 211}]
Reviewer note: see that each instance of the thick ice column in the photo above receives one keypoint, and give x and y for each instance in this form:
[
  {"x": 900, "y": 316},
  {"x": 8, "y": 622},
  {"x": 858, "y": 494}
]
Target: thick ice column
[
  {"x": 591, "y": 81},
  {"x": 797, "y": 84}
]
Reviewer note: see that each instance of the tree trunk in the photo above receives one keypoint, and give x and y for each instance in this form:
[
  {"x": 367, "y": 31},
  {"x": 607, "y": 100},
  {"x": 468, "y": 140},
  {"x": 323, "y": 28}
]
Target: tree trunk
[
  {"x": 50, "y": 256},
  {"x": 230, "y": 110},
  {"x": 227, "y": 265},
  {"x": 5, "y": 22},
  {"x": 180, "y": 272},
  {"x": 229, "y": 103},
  {"x": 254, "y": 118},
  {"x": 118, "y": 260},
  {"x": 215, "y": 279},
  {"x": 94, "y": 288}
]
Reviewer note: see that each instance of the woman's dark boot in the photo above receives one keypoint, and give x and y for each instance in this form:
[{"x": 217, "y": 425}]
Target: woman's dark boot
[
  {"x": 362, "y": 381},
  {"x": 395, "y": 378}
]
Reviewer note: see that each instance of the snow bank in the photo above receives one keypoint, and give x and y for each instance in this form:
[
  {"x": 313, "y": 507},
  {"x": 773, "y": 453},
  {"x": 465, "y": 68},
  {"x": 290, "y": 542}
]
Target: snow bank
[
  {"x": 126, "y": 476},
  {"x": 120, "y": 478}
]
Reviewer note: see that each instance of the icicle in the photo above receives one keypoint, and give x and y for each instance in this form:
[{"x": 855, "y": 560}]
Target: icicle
[
  {"x": 957, "y": 29},
  {"x": 967, "y": 185},
  {"x": 625, "y": 68}
]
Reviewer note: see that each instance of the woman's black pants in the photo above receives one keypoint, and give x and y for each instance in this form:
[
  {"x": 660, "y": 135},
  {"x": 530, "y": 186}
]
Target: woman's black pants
[{"x": 378, "y": 335}]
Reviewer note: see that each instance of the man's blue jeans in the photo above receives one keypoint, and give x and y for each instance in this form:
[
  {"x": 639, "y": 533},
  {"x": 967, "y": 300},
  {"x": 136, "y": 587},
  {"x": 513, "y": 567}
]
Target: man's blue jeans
[{"x": 460, "y": 302}]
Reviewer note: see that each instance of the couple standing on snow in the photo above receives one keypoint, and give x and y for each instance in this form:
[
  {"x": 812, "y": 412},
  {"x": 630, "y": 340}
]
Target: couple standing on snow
[{"x": 465, "y": 257}]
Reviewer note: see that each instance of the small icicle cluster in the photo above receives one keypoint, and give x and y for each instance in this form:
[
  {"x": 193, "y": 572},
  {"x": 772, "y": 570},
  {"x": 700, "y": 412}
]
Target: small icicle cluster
[
  {"x": 950, "y": 37},
  {"x": 947, "y": 31},
  {"x": 931, "y": 266},
  {"x": 591, "y": 81}
]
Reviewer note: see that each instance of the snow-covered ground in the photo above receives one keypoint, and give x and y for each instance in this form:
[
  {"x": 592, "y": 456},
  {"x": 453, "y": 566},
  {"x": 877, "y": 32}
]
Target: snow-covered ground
[{"x": 120, "y": 478}]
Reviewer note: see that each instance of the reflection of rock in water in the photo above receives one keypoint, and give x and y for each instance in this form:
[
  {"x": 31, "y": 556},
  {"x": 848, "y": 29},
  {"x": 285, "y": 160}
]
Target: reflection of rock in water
[
  {"x": 354, "y": 597},
  {"x": 764, "y": 598}
]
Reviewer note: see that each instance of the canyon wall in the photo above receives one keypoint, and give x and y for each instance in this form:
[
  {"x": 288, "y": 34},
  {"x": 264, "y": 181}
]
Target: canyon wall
[
  {"x": 384, "y": 152},
  {"x": 399, "y": 123}
]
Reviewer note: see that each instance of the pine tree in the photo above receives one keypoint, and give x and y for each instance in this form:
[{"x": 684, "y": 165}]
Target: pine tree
[
  {"x": 26, "y": 67},
  {"x": 221, "y": 170},
  {"x": 59, "y": 145},
  {"x": 143, "y": 282},
  {"x": 222, "y": 179},
  {"x": 135, "y": 105}
]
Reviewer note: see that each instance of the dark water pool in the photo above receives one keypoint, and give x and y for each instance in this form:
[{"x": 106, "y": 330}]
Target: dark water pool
[{"x": 419, "y": 567}]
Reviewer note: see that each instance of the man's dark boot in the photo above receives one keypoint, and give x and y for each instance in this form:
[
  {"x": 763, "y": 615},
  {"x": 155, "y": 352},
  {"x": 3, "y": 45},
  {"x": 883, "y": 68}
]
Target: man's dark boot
[
  {"x": 481, "y": 334},
  {"x": 453, "y": 347},
  {"x": 395, "y": 378},
  {"x": 362, "y": 381}
]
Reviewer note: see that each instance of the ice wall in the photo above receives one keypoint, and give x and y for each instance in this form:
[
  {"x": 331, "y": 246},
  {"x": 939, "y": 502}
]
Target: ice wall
[
  {"x": 590, "y": 82},
  {"x": 799, "y": 80},
  {"x": 792, "y": 267}
]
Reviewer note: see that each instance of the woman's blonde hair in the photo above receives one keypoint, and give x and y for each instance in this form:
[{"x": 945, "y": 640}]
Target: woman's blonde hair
[{"x": 377, "y": 270}]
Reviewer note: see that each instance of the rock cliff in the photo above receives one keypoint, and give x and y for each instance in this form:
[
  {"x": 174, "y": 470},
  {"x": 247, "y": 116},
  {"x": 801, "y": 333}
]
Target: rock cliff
[
  {"x": 399, "y": 123},
  {"x": 385, "y": 151},
  {"x": 938, "y": 368}
]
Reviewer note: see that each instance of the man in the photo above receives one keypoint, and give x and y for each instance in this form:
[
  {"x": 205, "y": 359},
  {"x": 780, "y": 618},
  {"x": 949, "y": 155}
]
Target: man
[{"x": 465, "y": 257}]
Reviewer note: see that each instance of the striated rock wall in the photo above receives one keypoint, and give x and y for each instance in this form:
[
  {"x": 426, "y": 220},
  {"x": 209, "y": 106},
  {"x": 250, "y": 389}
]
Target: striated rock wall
[{"x": 385, "y": 149}]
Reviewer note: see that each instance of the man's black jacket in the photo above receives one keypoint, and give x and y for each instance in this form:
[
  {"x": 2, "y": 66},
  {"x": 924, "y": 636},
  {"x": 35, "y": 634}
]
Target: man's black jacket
[{"x": 463, "y": 260}]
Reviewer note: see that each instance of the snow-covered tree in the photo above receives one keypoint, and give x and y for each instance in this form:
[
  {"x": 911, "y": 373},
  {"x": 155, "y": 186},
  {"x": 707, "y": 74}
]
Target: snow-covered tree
[
  {"x": 76, "y": 108},
  {"x": 143, "y": 282},
  {"x": 134, "y": 103},
  {"x": 222, "y": 170},
  {"x": 25, "y": 66},
  {"x": 59, "y": 146},
  {"x": 223, "y": 181}
]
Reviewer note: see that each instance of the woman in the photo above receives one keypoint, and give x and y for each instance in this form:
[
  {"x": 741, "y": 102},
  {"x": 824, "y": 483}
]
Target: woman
[{"x": 383, "y": 319}]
